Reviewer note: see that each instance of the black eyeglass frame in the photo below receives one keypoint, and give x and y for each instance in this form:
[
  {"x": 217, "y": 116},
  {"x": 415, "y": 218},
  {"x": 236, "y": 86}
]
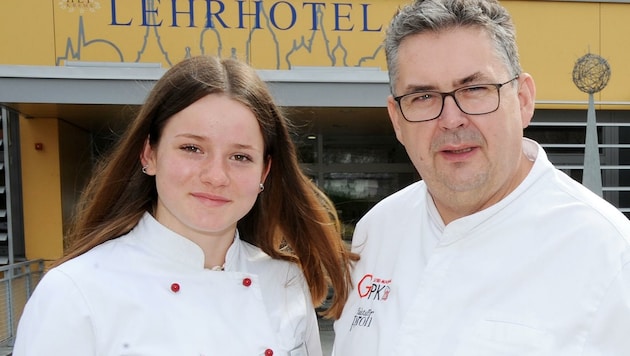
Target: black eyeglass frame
[{"x": 452, "y": 95}]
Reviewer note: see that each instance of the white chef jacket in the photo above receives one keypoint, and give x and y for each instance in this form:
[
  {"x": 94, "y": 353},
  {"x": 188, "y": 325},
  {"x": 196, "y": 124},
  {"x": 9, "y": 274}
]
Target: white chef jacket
[
  {"x": 147, "y": 293},
  {"x": 544, "y": 272}
]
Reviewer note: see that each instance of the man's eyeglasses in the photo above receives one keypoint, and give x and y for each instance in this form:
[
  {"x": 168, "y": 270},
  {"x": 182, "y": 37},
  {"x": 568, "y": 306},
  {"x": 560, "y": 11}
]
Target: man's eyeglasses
[{"x": 427, "y": 105}]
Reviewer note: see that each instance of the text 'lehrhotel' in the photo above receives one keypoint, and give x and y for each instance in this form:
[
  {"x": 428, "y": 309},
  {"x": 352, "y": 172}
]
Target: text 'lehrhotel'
[{"x": 282, "y": 15}]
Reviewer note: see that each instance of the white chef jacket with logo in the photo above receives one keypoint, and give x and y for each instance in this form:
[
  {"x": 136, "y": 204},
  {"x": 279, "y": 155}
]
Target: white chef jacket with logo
[
  {"x": 147, "y": 293},
  {"x": 546, "y": 271}
]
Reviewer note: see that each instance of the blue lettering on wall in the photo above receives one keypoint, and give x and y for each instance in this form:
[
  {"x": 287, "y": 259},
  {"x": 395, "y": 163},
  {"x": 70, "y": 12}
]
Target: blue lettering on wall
[
  {"x": 292, "y": 19},
  {"x": 210, "y": 15},
  {"x": 338, "y": 15},
  {"x": 283, "y": 15},
  {"x": 146, "y": 14},
  {"x": 256, "y": 14},
  {"x": 190, "y": 12},
  {"x": 114, "y": 22},
  {"x": 314, "y": 7},
  {"x": 365, "y": 20}
]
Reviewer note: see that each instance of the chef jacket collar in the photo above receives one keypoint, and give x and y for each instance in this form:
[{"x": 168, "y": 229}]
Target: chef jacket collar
[{"x": 172, "y": 246}]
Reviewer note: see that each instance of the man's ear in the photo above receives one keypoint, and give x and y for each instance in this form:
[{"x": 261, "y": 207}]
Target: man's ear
[{"x": 526, "y": 97}]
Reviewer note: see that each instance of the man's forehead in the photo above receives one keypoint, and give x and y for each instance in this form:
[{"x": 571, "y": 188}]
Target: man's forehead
[{"x": 409, "y": 83}]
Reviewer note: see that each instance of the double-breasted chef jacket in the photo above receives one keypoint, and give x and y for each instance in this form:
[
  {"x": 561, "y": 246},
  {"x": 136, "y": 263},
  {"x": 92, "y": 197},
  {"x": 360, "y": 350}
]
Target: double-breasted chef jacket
[{"x": 148, "y": 293}]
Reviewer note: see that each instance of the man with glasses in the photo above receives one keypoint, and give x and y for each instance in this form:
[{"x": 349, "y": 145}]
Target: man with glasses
[{"x": 494, "y": 252}]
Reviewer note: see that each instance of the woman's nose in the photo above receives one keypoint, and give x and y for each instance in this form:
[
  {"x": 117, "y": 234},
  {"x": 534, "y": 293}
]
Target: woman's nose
[{"x": 215, "y": 171}]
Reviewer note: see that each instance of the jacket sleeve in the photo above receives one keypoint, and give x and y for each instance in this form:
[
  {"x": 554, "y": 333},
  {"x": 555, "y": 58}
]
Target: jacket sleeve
[
  {"x": 609, "y": 332},
  {"x": 56, "y": 320}
]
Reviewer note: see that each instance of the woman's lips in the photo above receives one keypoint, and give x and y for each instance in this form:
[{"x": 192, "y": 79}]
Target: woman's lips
[{"x": 211, "y": 198}]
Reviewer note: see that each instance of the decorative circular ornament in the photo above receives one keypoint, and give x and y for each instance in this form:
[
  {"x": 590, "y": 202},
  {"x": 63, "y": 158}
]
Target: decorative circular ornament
[{"x": 591, "y": 73}]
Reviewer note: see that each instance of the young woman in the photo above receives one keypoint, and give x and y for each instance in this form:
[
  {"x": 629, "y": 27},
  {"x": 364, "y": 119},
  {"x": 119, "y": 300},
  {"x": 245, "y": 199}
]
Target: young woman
[{"x": 198, "y": 235}]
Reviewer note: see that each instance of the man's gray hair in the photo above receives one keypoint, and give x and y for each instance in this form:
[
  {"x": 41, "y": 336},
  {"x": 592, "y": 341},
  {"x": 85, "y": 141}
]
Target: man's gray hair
[{"x": 423, "y": 16}]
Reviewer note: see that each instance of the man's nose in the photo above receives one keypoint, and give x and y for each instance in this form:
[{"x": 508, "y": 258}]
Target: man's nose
[{"x": 451, "y": 116}]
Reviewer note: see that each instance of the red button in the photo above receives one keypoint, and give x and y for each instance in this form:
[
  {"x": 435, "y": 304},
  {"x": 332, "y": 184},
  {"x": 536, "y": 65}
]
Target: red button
[
  {"x": 248, "y": 282},
  {"x": 269, "y": 352},
  {"x": 175, "y": 287}
]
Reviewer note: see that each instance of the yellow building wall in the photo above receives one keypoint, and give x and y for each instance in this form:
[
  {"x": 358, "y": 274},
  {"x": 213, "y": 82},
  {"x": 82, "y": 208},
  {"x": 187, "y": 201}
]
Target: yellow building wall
[
  {"x": 26, "y": 32},
  {"x": 615, "y": 47},
  {"x": 552, "y": 35},
  {"x": 551, "y": 41},
  {"x": 41, "y": 188},
  {"x": 52, "y": 180}
]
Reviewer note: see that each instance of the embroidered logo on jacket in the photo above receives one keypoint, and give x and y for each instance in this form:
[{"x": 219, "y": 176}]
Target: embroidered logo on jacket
[
  {"x": 370, "y": 287},
  {"x": 363, "y": 317}
]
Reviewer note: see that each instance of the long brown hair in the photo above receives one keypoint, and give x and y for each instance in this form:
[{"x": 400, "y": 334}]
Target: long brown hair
[{"x": 291, "y": 220}]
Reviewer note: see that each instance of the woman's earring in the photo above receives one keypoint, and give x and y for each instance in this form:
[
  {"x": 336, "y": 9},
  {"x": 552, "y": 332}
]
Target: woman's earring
[
  {"x": 144, "y": 169},
  {"x": 262, "y": 187}
]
